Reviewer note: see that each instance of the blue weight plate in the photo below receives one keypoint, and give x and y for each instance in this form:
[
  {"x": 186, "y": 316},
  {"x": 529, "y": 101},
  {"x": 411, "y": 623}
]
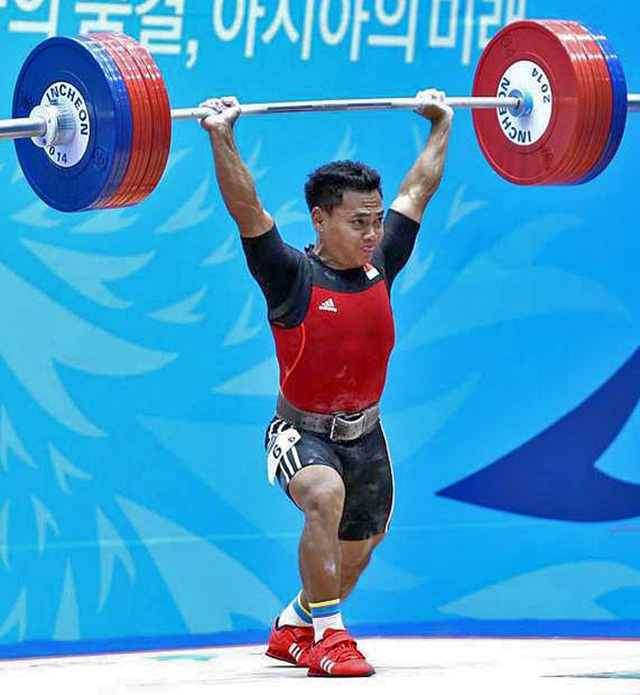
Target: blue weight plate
[
  {"x": 123, "y": 118},
  {"x": 77, "y": 183},
  {"x": 619, "y": 115}
]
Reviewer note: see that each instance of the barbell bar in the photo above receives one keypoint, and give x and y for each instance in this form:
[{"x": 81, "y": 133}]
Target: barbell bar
[
  {"x": 92, "y": 121},
  {"x": 14, "y": 128},
  {"x": 36, "y": 126}
]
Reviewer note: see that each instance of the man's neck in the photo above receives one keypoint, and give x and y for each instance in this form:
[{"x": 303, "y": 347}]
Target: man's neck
[{"x": 321, "y": 254}]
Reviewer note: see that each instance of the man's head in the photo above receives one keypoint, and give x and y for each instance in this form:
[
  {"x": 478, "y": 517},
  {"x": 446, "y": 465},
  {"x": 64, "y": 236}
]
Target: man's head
[{"x": 345, "y": 202}]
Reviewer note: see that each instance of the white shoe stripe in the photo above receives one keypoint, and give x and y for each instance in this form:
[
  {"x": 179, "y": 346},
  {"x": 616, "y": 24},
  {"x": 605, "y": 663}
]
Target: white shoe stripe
[{"x": 327, "y": 664}]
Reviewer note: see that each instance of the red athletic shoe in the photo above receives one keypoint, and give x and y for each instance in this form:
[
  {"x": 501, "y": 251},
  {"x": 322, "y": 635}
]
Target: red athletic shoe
[
  {"x": 291, "y": 644},
  {"x": 336, "y": 654}
]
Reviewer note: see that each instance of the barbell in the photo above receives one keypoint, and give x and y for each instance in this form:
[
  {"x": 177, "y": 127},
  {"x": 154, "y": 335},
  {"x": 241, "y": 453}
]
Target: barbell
[{"x": 92, "y": 120}]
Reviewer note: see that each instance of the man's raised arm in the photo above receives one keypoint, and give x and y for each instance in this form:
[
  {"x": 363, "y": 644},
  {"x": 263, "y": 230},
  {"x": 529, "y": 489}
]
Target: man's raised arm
[
  {"x": 425, "y": 175},
  {"x": 235, "y": 182}
]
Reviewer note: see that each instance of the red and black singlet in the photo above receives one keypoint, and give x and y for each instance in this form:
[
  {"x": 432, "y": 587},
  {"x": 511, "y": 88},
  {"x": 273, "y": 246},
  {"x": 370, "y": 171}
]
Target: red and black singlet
[{"x": 333, "y": 329}]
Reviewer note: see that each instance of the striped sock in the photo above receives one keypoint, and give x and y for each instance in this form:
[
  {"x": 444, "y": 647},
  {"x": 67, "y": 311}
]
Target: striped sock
[
  {"x": 326, "y": 614},
  {"x": 295, "y": 614}
]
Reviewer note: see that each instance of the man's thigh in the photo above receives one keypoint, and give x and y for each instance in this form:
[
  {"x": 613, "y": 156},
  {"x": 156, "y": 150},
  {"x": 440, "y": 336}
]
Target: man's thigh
[
  {"x": 369, "y": 485},
  {"x": 291, "y": 449}
]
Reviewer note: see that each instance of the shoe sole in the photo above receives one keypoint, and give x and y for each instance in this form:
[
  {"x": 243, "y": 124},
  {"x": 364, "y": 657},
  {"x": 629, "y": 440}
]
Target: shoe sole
[
  {"x": 324, "y": 674},
  {"x": 279, "y": 656}
]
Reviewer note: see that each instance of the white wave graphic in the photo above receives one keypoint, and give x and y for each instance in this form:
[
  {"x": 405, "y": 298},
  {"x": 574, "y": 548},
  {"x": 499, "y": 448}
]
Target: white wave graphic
[
  {"x": 16, "y": 620},
  {"x": 188, "y": 564},
  {"x": 10, "y": 443},
  {"x": 63, "y": 470},
  {"x": 559, "y": 592},
  {"x": 67, "y": 625},
  {"x": 66, "y": 340},
  {"x": 113, "y": 550},
  {"x": 88, "y": 273},
  {"x": 196, "y": 210},
  {"x": 184, "y": 311},
  {"x": 106, "y": 221},
  {"x": 38, "y": 215},
  {"x": 260, "y": 380},
  {"x": 224, "y": 253},
  {"x": 243, "y": 329}
]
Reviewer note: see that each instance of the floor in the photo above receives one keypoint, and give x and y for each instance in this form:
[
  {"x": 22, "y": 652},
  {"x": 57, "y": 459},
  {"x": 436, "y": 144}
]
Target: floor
[{"x": 433, "y": 666}]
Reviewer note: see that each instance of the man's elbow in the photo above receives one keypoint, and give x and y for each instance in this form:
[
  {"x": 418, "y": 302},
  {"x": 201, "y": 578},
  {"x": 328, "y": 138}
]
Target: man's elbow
[{"x": 254, "y": 225}]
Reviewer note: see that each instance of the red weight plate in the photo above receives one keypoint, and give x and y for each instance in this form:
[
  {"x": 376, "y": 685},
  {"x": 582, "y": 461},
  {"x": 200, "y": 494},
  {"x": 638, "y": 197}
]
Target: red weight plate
[
  {"x": 575, "y": 159},
  {"x": 127, "y": 195},
  {"x": 162, "y": 112},
  {"x": 141, "y": 112},
  {"x": 603, "y": 93},
  {"x": 592, "y": 111},
  {"x": 144, "y": 186},
  {"x": 137, "y": 188},
  {"x": 123, "y": 122},
  {"x": 537, "y": 151}
]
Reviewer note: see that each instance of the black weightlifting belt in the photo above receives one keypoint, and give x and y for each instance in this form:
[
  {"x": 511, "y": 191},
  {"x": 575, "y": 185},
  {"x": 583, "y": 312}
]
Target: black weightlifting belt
[{"x": 339, "y": 427}]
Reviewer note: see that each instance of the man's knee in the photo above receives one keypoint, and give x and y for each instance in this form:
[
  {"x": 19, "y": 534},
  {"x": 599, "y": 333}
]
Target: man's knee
[{"x": 318, "y": 491}]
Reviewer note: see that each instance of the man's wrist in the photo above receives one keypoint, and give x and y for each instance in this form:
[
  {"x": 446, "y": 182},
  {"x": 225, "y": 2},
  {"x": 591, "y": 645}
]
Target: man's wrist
[
  {"x": 442, "y": 122},
  {"x": 222, "y": 135}
]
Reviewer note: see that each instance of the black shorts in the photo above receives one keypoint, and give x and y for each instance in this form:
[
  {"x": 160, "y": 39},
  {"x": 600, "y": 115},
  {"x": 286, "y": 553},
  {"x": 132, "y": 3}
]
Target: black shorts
[{"x": 363, "y": 464}]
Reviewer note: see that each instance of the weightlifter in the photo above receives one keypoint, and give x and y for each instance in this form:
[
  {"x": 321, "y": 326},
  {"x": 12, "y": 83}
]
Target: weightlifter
[{"x": 330, "y": 314}]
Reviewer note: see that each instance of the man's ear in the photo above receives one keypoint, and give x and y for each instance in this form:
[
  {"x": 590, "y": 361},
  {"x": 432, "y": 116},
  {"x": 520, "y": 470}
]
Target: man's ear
[{"x": 318, "y": 217}]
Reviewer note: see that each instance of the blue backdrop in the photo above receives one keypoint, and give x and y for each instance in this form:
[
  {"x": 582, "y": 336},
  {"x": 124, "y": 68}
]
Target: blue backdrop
[{"x": 137, "y": 370}]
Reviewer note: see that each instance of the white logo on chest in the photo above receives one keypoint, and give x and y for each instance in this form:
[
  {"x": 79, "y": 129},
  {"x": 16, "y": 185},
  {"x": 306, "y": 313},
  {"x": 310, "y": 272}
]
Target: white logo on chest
[
  {"x": 328, "y": 305},
  {"x": 371, "y": 272}
]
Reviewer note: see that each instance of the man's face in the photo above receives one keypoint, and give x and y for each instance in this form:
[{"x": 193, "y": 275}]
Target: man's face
[{"x": 350, "y": 233}]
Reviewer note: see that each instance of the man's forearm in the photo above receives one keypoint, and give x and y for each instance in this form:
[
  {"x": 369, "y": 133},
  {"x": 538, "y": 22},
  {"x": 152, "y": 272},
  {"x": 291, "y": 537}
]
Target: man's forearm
[
  {"x": 237, "y": 186},
  {"x": 426, "y": 173}
]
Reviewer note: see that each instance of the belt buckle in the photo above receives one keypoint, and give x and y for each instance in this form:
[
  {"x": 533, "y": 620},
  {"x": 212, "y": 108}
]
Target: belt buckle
[{"x": 360, "y": 421}]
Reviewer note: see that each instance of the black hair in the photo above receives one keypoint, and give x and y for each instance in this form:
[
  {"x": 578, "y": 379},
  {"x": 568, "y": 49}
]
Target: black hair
[{"x": 325, "y": 186}]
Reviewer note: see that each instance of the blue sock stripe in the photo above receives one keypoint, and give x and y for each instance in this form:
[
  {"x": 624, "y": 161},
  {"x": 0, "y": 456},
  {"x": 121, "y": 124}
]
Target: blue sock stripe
[
  {"x": 325, "y": 611},
  {"x": 301, "y": 614}
]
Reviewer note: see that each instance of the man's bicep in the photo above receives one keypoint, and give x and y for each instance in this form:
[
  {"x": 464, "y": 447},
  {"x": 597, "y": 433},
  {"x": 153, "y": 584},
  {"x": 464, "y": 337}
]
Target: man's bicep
[{"x": 400, "y": 232}]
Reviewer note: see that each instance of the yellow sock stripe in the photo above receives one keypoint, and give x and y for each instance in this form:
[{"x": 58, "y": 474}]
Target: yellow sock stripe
[
  {"x": 304, "y": 610},
  {"x": 333, "y": 602}
]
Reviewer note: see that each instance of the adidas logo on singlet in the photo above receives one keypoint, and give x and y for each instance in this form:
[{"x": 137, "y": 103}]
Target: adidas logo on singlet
[{"x": 328, "y": 305}]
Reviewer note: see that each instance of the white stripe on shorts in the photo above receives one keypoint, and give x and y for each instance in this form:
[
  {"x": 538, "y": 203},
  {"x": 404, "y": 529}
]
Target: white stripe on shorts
[
  {"x": 285, "y": 461},
  {"x": 278, "y": 425},
  {"x": 286, "y": 476},
  {"x": 393, "y": 484},
  {"x": 296, "y": 458}
]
